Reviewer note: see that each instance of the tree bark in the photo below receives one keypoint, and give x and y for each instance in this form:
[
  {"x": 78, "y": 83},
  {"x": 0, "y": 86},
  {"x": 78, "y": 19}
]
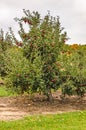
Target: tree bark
[{"x": 49, "y": 96}]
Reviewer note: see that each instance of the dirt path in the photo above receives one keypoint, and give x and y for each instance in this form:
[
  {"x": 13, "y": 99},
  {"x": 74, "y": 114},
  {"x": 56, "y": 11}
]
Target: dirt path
[
  {"x": 8, "y": 112},
  {"x": 12, "y": 108}
]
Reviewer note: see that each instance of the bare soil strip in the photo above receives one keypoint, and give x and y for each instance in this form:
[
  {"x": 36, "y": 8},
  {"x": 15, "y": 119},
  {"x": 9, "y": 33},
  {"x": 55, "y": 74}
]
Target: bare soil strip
[{"x": 13, "y": 108}]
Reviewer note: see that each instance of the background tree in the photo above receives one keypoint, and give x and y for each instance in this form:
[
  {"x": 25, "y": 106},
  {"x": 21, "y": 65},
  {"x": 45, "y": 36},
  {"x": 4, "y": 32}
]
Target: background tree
[
  {"x": 17, "y": 69},
  {"x": 5, "y": 43},
  {"x": 73, "y": 70}
]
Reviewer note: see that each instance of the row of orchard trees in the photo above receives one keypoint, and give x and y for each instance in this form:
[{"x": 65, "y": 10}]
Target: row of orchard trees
[
  {"x": 73, "y": 70},
  {"x": 42, "y": 61}
]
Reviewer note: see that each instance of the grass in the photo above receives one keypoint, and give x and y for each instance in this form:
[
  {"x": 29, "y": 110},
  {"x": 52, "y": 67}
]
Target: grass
[
  {"x": 4, "y": 92},
  {"x": 66, "y": 121}
]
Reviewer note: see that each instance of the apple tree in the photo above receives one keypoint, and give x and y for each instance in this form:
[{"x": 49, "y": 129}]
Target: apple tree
[{"x": 41, "y": 45}]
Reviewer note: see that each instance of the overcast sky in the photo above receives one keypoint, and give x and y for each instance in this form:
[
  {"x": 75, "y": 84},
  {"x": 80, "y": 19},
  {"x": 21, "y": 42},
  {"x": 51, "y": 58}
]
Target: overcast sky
[{"x": 72, "y": 15}]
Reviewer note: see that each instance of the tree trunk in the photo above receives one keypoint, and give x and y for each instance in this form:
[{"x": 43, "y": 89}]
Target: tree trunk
[{"x": 49, "y": 96}]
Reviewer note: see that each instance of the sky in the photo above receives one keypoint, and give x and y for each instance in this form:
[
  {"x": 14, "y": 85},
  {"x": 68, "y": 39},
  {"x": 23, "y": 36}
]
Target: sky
[{"x": 72, "y": 15}]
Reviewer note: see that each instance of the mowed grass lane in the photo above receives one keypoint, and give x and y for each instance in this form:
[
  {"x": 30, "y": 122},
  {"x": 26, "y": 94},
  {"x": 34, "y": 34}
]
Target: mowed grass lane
[{"x": 66, "y": 121}]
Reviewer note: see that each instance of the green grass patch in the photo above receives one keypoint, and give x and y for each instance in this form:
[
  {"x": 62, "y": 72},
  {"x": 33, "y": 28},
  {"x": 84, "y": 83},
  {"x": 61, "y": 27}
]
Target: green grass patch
[
  {"x": 5, "y": 92},
  {"x": 67, "y": 121}
]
